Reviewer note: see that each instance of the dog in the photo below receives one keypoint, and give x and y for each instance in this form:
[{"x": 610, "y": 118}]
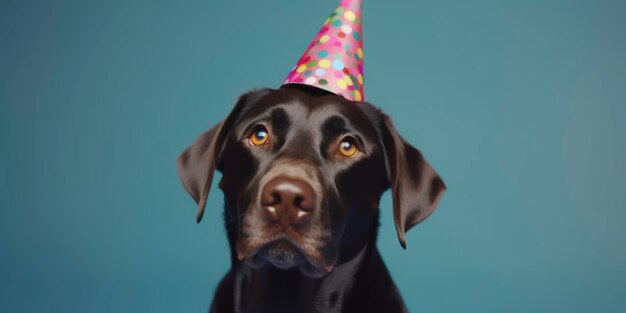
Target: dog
[{"x": 303, "y": 171}]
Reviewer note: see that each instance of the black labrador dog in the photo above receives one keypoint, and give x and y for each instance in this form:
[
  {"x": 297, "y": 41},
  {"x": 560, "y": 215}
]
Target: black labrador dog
[{"x": 303, "y": 172}]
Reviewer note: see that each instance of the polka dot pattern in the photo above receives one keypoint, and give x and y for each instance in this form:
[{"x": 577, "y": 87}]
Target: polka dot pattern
[{"x": 334, "y": 60}]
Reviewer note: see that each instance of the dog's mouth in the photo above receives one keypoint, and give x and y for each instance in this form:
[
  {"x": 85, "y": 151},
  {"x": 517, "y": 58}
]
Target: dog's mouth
[
  {"x": 281, "y": 253},
  {"x": 285, "y": 254}
]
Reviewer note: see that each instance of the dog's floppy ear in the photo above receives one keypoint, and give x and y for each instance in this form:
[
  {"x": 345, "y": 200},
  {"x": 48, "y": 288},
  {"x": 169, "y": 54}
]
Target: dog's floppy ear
[
  {"x": 415, "y": 186},
  {"x": 198, "y": 162},
  {"x": 196, "y": 166}
]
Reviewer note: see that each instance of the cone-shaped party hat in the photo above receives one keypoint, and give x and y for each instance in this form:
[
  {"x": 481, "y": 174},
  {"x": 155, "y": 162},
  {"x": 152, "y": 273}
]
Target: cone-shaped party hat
[{"x": 334, "y": 60}]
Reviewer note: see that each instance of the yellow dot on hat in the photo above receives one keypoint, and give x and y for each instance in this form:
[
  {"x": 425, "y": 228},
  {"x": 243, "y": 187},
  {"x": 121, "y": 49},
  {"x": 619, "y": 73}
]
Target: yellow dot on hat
[
  {"x": 360, "y": 79},
  {"x": 324, "y": 63},
  {"x": 341, "y": 84},
  {"x": 357, "y": 95},
  {"x": 301, "y": 68},
  {"x": 324, "y": 38},
  {"x": 349, "y": 15},
  {"x": 346, "y": 28},
  {"x": 359, "y": 51},
  {"x": 348, "y": 80}
]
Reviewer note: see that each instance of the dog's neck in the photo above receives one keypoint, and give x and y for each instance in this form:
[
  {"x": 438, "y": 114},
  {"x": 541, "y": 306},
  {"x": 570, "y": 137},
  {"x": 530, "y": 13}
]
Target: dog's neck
[{"x": 292, "y": 291}]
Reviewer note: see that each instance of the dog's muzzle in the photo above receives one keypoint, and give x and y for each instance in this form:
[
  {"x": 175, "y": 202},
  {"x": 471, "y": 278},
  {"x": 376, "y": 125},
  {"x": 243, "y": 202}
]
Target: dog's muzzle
[{"x": 284, "y": 225}]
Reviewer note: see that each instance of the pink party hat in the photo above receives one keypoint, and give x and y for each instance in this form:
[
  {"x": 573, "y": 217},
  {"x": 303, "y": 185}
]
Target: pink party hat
[{"x": 334, "y": 60}]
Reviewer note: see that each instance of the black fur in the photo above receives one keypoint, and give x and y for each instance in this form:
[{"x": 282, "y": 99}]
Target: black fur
[{"x": 305, "y": 127}]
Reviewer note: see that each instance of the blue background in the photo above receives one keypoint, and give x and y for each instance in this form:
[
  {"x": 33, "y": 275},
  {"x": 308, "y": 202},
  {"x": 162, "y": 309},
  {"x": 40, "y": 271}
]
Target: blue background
[{"x": 520, "y": 106}]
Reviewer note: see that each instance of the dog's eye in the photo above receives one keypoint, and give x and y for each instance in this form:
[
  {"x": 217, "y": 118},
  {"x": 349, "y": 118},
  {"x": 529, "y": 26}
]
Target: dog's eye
[
  {"x": 348, "y": 148},
  {"x": 259, "y": 137}
]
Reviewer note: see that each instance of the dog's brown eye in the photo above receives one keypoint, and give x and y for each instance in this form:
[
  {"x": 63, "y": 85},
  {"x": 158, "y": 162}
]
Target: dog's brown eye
[
  {"x": 259, "y": 137},
  {"x": 348, "y": 148}
]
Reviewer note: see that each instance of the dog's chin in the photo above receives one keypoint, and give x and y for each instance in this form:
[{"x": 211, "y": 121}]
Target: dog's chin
[
  {"x": 284, "y": 255},
  {"x": 281, "y": 254}
]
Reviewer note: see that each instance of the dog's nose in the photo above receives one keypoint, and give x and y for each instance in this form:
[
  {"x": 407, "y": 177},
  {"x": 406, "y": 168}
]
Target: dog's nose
[{"x": 288, "y": 200}]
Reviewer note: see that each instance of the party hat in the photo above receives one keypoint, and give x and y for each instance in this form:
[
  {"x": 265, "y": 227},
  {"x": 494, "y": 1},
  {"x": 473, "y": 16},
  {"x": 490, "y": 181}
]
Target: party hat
[{"x": 334, "y": 60}]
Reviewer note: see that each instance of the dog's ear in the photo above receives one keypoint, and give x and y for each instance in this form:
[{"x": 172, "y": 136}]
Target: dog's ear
[
  {"x": 415, "y": 186},
  {"x": 196, "y": 166},
  {"x": 198, "y": 162}
]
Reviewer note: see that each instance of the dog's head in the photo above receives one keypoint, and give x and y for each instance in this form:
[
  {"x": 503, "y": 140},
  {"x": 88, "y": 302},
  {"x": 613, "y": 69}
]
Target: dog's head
[{"x": 303, "y": 172}]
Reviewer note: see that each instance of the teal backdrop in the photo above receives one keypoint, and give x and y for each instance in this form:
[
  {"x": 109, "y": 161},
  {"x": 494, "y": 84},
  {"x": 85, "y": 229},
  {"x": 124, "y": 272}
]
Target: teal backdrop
[{"x": 519, "y": 105}]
